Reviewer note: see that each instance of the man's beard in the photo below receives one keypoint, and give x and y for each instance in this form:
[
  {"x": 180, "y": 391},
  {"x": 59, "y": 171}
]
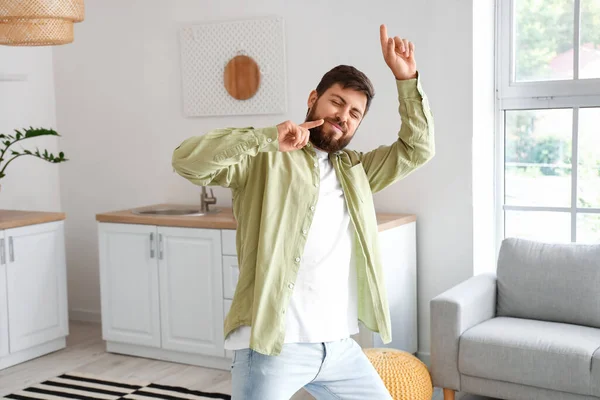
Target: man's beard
[{"x": 326, "y": 141}]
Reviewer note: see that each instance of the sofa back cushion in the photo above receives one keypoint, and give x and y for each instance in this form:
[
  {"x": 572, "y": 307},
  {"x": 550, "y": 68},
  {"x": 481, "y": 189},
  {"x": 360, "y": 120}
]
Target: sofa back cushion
[{"x": 549, "y": 282}]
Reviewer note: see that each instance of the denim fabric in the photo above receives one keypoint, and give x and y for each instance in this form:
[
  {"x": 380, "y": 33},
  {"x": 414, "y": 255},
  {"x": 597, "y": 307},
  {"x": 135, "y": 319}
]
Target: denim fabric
[{"x": 331, "y": 370}]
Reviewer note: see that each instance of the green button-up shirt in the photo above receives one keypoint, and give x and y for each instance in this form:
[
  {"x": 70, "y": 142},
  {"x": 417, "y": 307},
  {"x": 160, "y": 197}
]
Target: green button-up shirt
[{"x": 274, "y": 198}]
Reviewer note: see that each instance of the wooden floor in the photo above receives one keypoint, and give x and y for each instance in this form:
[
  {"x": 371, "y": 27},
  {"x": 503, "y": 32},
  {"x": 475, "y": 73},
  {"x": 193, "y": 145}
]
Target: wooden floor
[{"x": 85, "y": 353}]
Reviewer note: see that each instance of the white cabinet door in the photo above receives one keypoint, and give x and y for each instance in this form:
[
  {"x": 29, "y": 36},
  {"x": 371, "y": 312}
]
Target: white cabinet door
[
  {"x": 399, "y": 258},
  {"x": 228, "y": 238},
  {"x": 226, "y": 308},
  {"x": 36, "y": 284},
  {"x": 3, "y": 299},
  {"x": 129, "y": 283},
  {"x": 231, "y": 275},
  {"x": 191, "y": 291}
]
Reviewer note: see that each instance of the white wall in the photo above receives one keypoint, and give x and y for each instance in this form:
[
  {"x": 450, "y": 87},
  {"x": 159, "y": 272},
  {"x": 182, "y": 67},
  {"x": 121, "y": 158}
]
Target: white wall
[
  {"x": 30, "y": 183},
  {"x": 484, "y": 239},
  {"x": 119, "y": 103}
]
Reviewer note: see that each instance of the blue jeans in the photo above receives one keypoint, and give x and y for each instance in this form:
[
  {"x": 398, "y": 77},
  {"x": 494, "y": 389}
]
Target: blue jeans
[{"x": 332, "y": 370}]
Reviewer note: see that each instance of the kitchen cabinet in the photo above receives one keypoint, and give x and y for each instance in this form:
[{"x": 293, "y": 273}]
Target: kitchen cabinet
[
  {"x": 167, "y": 283},
  {"x": 162, "y": 292},
  {"x": 33, "y": 291}
]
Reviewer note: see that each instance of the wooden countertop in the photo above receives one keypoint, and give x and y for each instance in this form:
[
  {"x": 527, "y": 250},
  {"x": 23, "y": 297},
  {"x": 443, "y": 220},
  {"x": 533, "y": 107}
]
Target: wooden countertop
[
  {"x": 222, "y": 220},
  {"x": 16, "y": 218},
  {"x": 387, "y": 221}
]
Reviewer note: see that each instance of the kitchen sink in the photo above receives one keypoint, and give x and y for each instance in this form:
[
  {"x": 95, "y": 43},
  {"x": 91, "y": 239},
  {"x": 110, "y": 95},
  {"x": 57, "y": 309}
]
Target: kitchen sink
[{"x": 174, "y": 211}]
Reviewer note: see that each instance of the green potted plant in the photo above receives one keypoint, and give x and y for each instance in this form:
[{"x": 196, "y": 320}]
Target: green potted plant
[{"x": 8, "y": 140}]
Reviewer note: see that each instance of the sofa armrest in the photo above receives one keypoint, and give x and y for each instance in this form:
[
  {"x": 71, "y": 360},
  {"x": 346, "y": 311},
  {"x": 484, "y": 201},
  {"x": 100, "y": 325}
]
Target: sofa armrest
[{"x": 452, "y": 313}]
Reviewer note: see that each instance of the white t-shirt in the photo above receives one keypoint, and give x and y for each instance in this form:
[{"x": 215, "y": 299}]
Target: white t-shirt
[{"x": 323, "y": 306}]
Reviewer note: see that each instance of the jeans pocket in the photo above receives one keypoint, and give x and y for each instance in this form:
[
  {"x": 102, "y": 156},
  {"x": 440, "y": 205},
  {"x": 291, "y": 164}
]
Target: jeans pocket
[
  {"x": 232, "y": 360},
  {"x": 241, "y": 357}
]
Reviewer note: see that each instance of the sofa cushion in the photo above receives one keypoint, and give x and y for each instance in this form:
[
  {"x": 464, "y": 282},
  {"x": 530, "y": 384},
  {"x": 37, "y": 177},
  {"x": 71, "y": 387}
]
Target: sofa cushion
[
  {"x": 596, "y": 373},
  {"x": 549, "y": 282},
  {"x": 542, "y": 354}
]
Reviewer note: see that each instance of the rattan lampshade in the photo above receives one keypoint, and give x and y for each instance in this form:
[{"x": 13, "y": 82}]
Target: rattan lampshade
[{"x": 38, "y": 22}]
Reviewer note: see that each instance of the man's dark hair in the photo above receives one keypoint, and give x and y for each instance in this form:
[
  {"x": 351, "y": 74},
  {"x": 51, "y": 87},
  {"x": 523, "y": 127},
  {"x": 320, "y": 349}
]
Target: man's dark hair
[{"x": 348, "y": 77}]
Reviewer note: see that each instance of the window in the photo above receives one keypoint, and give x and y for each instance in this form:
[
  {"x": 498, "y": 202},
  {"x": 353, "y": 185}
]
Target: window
[{"x": 548, "y": 113}]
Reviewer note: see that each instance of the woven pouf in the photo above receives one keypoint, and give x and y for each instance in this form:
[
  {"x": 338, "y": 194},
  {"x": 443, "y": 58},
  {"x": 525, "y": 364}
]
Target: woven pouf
[{"x": 404, "y": 375}]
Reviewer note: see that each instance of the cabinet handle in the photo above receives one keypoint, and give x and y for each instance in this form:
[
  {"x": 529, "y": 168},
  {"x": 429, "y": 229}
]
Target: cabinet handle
[
  {"x": 151, "y": 244},
  {"x": 2, "y": 252},
  {"x": 11, "y": 252},
  {"x": 160, "y": 246}
]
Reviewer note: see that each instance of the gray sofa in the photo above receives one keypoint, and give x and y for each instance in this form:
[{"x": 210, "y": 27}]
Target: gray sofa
[{"x": 531, "y": 331}]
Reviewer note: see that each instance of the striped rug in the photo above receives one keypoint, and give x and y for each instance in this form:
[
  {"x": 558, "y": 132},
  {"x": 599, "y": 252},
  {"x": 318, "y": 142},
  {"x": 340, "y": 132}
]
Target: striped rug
[{"x": 85, "y": 387}]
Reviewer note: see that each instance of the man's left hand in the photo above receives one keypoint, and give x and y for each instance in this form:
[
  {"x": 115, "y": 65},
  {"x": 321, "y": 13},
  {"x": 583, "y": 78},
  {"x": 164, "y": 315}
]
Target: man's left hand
[{"x": 399, "y": 55}]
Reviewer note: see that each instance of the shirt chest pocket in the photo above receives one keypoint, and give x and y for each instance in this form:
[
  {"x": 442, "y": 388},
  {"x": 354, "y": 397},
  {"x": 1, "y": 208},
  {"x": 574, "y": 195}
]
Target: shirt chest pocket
[{"x": 357, "y": 182}]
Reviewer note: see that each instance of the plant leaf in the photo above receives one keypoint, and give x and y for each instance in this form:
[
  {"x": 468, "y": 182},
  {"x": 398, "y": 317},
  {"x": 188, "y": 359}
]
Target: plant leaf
[{"x": 33, "y": 132}]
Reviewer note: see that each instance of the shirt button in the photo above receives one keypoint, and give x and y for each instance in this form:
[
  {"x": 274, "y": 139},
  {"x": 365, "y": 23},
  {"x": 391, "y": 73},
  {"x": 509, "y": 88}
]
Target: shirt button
[
  {"x": 316, "y": 185},
  {"x": 297, "y": 259},
  {"x": 312, "y": 208},
  {"x": 304, "y": 231},
  {"x": 291, "y": 285},
  {"x": 269, "y": 140},
  {"x": 316, "y": 164}
]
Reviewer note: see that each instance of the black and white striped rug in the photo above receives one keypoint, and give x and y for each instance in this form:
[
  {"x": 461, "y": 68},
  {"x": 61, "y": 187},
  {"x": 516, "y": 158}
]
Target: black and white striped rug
[{"x": 85, "y": 387}]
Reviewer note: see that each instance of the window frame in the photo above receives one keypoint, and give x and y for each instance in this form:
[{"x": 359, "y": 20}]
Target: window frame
[{"x": 510, "y": 95}]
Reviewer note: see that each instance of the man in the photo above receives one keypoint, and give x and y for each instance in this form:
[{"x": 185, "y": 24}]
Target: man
[{"x": 307, "y": 234}]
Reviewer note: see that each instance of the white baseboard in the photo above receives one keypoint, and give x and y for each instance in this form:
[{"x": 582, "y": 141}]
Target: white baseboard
[
  {"x": 85, "y": 316},
  {"x": 214, "y": 362},
  {"x": 32, "y": 352}
]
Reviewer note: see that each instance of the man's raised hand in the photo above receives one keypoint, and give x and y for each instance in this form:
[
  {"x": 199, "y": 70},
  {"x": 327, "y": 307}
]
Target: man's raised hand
[
  {"x": 292, "y": 136},
  {"x": 399, "y": 55}
]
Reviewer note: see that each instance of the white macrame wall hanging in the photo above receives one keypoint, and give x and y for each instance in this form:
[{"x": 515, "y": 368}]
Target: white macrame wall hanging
[{"x": 234, "y": 67}]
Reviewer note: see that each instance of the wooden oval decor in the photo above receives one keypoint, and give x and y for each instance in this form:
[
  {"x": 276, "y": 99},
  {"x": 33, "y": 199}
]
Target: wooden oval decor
[{"x": 242, "y": 77}]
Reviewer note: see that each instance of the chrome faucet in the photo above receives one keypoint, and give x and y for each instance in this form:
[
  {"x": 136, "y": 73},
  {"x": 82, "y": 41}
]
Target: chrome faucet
[{"x": 206, "y": 200}]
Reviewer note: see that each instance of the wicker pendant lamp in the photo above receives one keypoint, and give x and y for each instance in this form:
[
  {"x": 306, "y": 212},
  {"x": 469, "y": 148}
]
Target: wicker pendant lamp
[{"x": 38, "y": 22}]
